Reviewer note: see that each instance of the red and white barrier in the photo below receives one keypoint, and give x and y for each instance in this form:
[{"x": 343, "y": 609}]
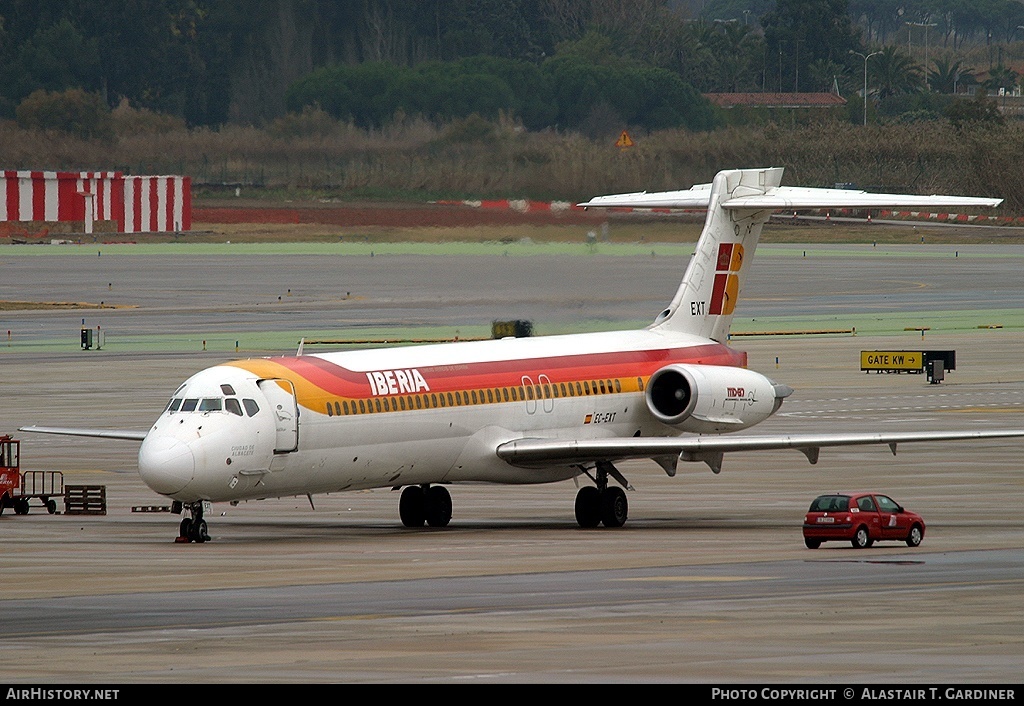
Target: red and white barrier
[
  {"x": 139, "y": 204},
  {"x": 156, "y": 204}
]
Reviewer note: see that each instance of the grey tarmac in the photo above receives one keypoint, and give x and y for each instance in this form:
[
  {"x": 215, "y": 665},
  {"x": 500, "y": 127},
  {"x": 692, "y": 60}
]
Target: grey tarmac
[{"x": 708, "y": 582}]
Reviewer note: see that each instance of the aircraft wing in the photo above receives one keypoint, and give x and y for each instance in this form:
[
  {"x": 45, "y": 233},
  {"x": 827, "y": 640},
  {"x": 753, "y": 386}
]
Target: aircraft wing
[
  {"x": 127, "y": 434},
  {"x": 539, "y": 453},
  {"x": 785, "y": 197}
]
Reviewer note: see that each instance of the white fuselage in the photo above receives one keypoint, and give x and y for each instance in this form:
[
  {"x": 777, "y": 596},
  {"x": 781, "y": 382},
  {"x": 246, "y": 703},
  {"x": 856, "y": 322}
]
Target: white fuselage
[{"x": 330, "y": 422}]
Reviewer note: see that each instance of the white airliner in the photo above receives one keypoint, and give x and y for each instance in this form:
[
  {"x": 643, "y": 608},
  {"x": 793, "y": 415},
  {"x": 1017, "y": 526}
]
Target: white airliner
[{"x": 516, "y": 410}]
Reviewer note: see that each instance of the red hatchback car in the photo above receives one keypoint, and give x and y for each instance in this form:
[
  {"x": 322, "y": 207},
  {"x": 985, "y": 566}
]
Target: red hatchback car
[{"x": 861, "y": 518}]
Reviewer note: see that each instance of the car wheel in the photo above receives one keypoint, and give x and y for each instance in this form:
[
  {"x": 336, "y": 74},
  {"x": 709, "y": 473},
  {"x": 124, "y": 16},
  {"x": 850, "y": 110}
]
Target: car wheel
[
  {"x": 915, "y": 536},
  {"x": 812, "y": 543},
  {"x": 861, "y": 540}
]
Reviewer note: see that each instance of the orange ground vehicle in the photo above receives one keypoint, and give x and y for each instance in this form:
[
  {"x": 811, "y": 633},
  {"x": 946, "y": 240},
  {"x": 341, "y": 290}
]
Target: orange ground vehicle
[
  {"x": 17, "y": 489},
  {"x": 10, "y": 472}
]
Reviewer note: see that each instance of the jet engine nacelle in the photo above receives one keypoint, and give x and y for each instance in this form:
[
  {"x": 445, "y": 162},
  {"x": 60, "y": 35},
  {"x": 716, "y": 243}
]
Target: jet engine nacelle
[{"x": 710, "y": 399}]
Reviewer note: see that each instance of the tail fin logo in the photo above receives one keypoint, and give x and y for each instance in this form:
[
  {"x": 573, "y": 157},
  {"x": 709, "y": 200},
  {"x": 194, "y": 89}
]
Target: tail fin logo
[{"x": 727, "y": 281}]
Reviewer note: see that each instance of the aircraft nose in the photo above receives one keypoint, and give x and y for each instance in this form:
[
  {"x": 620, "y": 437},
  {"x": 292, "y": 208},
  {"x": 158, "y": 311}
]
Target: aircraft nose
[{"x": 166, "y": 464}]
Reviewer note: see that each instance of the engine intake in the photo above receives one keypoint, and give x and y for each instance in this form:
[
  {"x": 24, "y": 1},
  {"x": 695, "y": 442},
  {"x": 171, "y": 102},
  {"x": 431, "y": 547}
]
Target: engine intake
[
  {"x": 711, "y": 398},
  {"x": 671, "y": 394}
]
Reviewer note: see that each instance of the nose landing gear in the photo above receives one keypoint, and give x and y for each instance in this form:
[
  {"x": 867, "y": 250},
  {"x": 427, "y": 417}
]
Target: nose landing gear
[{"x": 193, "y": 528}]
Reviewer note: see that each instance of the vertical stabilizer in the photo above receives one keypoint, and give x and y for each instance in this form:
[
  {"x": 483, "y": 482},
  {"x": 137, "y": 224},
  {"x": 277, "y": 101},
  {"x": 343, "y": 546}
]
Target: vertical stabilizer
[
  {"x": 739, "y": 202},
  {"x": 707, "y": 296}
]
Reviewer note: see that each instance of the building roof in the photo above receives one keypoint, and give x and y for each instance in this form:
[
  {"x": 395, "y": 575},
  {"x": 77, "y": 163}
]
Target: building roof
[{"x": 776, "y": 100}]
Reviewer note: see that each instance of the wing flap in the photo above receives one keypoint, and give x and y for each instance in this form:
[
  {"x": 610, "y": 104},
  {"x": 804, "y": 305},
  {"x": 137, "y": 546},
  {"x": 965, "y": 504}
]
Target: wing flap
[
  {"x": 126, "y": 434},
  {"x": 539, "y": 453}
]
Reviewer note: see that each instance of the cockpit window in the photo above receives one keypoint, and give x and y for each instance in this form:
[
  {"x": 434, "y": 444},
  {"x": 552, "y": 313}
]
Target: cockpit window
[
  {"x": 227, "y": 389},
  {"x": 211, "y": 404},
  {"x": 174, "y": 405},
  {"x": 189, "y": 405},
  {"x": 251, "y": 408},
  {"x": 232, "y": 405}
]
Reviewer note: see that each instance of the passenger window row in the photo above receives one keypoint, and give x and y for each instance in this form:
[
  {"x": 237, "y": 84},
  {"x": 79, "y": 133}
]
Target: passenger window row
[{"x": 437, "y": 400}]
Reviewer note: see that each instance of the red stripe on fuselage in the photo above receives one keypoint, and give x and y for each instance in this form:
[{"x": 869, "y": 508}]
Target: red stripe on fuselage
[{"x": 340, "y": 381}]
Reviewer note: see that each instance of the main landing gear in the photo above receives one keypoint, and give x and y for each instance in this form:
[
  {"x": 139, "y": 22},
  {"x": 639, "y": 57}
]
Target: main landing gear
[
  {"x": 602, "y": 503},
  {"x": 425, "y": 503},
  {"x": 193, "y": 527}
]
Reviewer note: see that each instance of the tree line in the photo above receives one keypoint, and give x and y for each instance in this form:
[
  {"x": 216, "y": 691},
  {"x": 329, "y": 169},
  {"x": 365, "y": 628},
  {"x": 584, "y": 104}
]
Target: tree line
[
  {"x": 567, "y": 91},
  {"x": 549, "y": 63}
]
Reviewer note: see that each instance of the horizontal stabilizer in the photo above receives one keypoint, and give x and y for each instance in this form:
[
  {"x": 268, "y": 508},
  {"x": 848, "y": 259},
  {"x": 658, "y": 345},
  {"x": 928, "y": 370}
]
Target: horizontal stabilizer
[
  {"x": 696, "y": 197},
  {"x": 126, "y": 434},
  {"x": 785, "y": 198}
]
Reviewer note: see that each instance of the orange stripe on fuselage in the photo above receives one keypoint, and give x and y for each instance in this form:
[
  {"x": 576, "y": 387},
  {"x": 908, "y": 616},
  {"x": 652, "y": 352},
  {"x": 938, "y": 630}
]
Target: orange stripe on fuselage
[{"x": 317, "y": 380}]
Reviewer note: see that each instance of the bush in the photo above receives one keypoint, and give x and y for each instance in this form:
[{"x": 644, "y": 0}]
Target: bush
[
  {"x": 72, "y": 111},
  {"x": 128, "y": 121},
  {"x": 472, "y": 128},
  {"x": 980, "y": 111},
  {"x": 311, "y": 122}
]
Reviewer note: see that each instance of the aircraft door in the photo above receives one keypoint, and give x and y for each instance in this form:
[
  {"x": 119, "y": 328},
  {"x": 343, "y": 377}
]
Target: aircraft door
[
  {"x": 548, "y": 399},
  {"x": 281, "y": 396},
  {"x": 531, "y": 399}
]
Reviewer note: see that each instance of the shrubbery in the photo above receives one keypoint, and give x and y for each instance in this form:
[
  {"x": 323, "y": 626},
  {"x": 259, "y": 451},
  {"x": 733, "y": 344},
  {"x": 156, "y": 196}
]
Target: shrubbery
[
  {"x": 128, "y": 120},
  {"x": 562, "y": 92},
  {"x": 72, "y": 111}
]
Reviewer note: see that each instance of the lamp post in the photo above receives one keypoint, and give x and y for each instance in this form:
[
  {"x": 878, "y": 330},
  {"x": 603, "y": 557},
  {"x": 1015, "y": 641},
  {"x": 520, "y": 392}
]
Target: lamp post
[
  {"x": 926, "y": 25},
  {"x": 865, "y": 58}
]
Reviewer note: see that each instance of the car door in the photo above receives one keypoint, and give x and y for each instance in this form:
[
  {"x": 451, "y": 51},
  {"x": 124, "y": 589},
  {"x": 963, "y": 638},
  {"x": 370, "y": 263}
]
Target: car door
[
  {"x": 867, "y": 514},
  {"x": 893, "y": 523}
]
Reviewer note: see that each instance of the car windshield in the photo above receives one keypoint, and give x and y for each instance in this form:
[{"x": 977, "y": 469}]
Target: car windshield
[{"x": 830, "y": 503}]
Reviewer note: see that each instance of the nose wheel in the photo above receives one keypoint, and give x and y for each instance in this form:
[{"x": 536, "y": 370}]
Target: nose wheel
[{"x": 193, "y": 528}]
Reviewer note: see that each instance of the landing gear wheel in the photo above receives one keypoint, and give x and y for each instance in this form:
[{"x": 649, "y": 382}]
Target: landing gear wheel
[
  {"x": 412, "y": 506},
  {"x": 861, "y": 540},
  {"x": 199, "y": 533},
  {"x": 915, "y": 536},
  {"x": 438, "y": 506},
  {"x": 588, "y": 507},
  {"x": 193, "y": 529},
  {"x": 184, "y": 530},
  {"x": 614, "y": 507}
]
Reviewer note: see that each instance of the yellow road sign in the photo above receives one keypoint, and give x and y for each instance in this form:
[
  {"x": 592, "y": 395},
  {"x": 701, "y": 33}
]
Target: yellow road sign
[{"x": 892, "y": 360}]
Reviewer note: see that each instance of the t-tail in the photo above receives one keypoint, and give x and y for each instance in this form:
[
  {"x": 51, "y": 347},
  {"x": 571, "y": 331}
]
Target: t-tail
[
  {"x": 739, "y": 202},
  {"x": 707, "y": 296}
]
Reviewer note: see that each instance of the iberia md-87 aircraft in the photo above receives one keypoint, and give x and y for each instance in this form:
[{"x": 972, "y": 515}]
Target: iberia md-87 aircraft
[{"x": 508, "y": 411}]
